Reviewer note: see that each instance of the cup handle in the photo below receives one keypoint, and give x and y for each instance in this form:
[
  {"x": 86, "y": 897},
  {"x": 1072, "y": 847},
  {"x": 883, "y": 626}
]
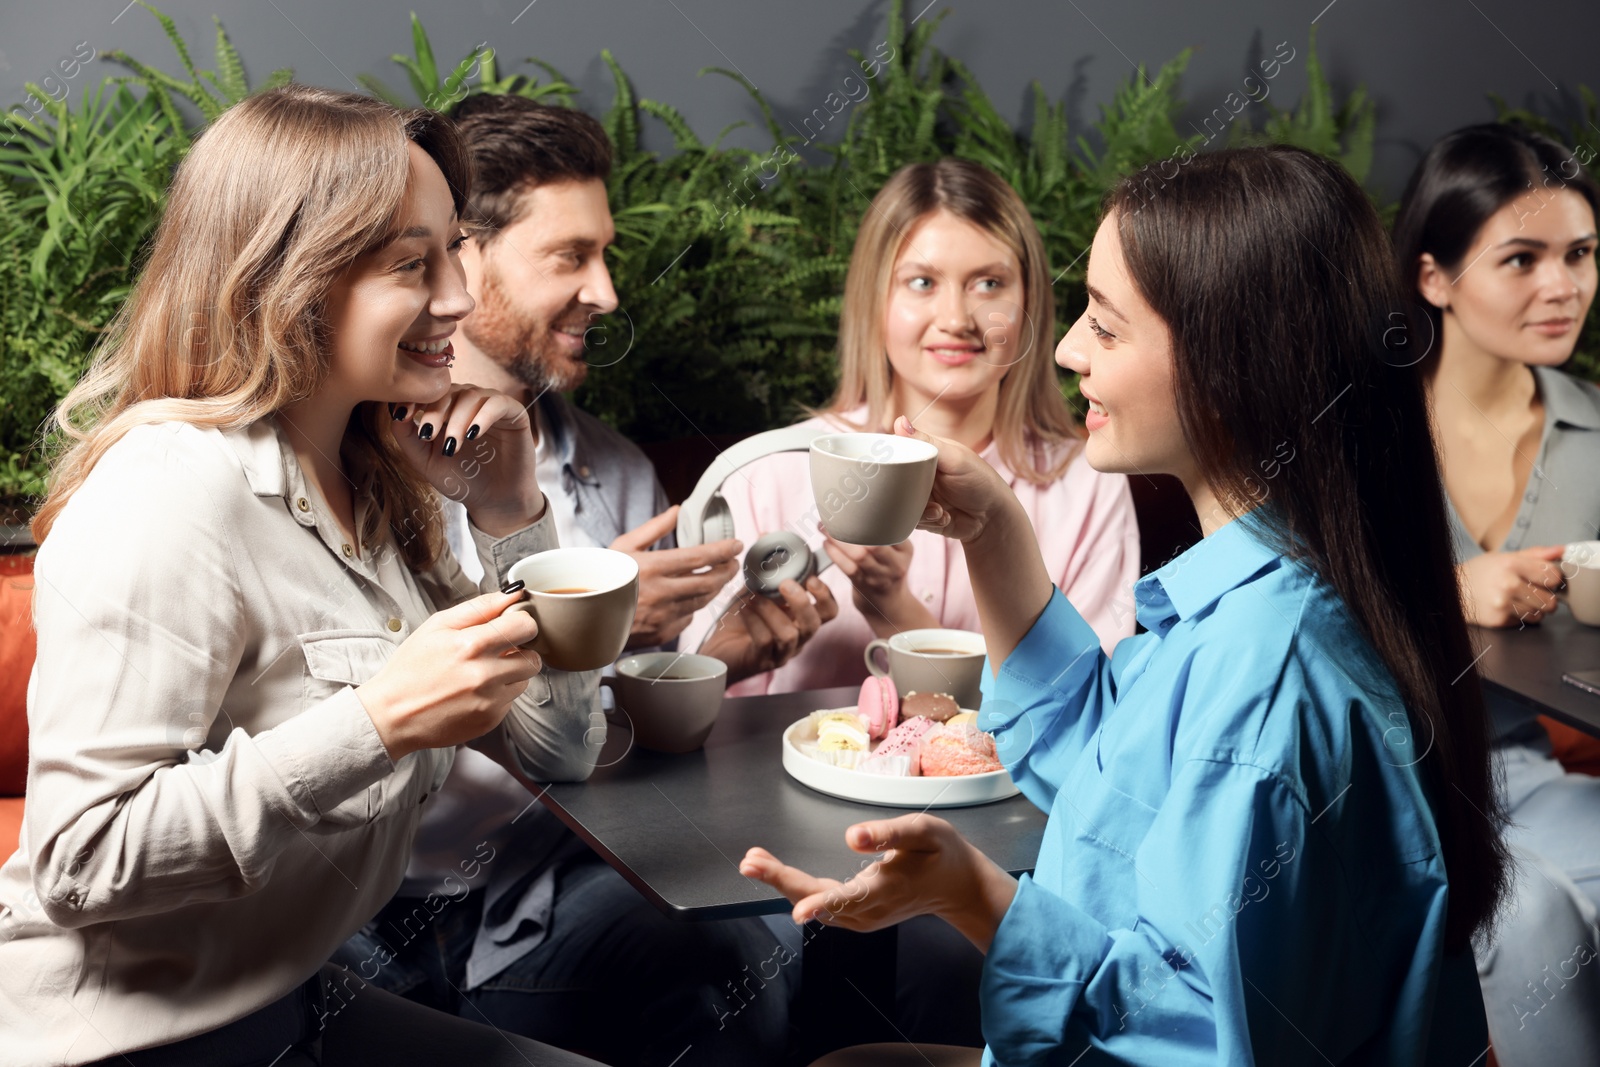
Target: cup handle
[
  {"x": 609, "y": 681},
  {"x": 872, "y": 661}
]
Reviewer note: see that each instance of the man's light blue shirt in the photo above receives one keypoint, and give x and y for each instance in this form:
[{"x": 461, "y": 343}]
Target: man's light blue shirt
[{"x": 1241, "y": 865}]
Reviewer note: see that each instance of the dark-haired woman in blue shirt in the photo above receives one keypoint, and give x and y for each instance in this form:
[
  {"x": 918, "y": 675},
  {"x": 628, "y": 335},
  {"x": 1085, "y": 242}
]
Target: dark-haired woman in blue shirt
[{"x": 1272, "y": 831}]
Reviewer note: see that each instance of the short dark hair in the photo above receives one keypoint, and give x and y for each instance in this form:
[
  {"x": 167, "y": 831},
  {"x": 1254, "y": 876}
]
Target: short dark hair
[
  {"x": 517, "y": 144},
  {"x": 1273, "y": 272},
  {"x": 1466, "y": 177}
]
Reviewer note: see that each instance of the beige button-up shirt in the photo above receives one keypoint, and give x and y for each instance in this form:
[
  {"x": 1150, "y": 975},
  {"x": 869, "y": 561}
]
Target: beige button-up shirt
[{"x": 210, "y": 811}]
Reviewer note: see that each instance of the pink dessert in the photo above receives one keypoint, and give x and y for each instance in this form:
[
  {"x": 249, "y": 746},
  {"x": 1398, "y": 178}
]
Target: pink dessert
[
  {"x": 878, "y": 706},
  {"x": 948, "y": 751},
  {"x": 900, "y": 752}
]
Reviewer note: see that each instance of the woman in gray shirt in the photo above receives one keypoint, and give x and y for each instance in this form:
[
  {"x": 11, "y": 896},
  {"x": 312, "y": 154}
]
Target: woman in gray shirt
[
  {"x": 1497, "y": 228},
  {"x": 255, "y": 657}
]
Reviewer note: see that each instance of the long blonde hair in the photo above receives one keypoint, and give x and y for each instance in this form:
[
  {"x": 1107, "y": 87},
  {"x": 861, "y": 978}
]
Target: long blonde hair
[
  {"x": 1032, "y": 416},
  {"x": 225, "y": 326}
]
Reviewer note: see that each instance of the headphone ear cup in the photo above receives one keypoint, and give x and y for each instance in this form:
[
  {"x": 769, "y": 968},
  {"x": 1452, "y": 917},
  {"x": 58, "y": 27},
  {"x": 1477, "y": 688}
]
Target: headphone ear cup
[{"x": 717, "y": 522}]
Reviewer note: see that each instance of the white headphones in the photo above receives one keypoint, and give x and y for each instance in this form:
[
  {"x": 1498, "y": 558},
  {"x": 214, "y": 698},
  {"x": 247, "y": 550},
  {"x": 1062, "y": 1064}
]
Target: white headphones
[{"x": 705, "y": 516}]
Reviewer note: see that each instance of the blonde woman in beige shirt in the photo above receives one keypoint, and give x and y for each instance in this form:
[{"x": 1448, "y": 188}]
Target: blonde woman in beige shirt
[{"x": 255, "y": 657}]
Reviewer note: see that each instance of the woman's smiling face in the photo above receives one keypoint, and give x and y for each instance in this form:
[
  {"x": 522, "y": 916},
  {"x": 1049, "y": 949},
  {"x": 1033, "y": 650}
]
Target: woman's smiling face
[
  {"x": 393, "y": 310},
  {"x": 953, "y": 320},
  {"x": 1123, "y": 351}
]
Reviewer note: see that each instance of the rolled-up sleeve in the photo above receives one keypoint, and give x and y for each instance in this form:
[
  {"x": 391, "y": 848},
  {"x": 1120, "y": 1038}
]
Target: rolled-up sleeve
[{"x": 555, "y": 729}]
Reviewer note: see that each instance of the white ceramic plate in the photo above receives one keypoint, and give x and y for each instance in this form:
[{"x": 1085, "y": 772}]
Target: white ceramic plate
[{"x": 959, "y": 791}]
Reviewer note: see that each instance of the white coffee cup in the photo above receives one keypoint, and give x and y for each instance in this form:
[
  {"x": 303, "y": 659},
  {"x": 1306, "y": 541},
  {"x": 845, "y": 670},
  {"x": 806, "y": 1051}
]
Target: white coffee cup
[
  {"x": 871, "y": 488},
  {"x": 1580, "y": 566},
  {"x": 583, "y": 600},
  {"x": 671, "y": 698},
  {"x": 932, "y": 661}
]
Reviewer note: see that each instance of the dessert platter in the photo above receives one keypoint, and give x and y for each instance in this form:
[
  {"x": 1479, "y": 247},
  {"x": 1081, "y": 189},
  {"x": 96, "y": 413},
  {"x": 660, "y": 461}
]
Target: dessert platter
[{"x": 922, "y": 752}]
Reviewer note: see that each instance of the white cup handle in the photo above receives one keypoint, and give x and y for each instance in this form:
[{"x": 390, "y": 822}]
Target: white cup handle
[{"x": 872, "y": 661}]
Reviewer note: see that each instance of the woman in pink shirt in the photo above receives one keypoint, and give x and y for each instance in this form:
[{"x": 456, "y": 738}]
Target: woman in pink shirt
[{"x": 948, "y": 319}]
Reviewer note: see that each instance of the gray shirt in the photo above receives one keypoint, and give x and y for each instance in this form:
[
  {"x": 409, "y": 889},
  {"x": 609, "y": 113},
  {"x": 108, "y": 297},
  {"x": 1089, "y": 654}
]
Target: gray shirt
[
  {"x": 210, "y": 809},
  {"x": 1562, "y": 501}
]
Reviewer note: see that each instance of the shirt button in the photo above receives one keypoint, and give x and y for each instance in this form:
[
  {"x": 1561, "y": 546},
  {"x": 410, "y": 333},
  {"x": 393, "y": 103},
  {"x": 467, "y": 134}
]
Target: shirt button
[
  {"x": 303, "y": 504},
  {"x": 349, "y": 553},
  {"x": 584, "y": 471},
  {"x": 394, "y": 625},
  {"x": 927, "y": 596}
]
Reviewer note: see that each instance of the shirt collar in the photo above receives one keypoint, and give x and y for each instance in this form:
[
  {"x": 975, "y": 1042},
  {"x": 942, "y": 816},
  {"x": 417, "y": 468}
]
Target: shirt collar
[
  {"x": 1568, "y": 401},
  {"x": 1194, "y": 581},
  {"x": 550, "y": 409},
  {"x": 266, "y": 458}
]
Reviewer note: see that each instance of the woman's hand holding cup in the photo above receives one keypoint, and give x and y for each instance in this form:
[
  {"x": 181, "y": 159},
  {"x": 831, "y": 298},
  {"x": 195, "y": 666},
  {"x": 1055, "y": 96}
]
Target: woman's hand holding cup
[
  {"x": 967, "y": 493},
  {"x": 454, "y": 679},
  {"x": 972, "y": 504}
]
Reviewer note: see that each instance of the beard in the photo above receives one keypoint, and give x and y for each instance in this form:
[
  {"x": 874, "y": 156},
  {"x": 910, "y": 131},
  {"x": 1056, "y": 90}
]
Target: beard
[{"x": 522, "y": 342}]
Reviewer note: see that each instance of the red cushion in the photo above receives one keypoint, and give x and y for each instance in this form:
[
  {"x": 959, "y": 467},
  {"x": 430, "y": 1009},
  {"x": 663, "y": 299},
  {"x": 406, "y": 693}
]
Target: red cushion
[
  {"x": 1578, "y": 752},
  {"x": 16, "y": 664},
  {"x": 10, "y": 825}
]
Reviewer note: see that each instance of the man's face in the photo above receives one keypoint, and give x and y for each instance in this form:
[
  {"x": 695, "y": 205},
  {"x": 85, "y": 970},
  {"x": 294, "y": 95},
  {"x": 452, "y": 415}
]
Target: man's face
[{"x": 542, "y": 283}]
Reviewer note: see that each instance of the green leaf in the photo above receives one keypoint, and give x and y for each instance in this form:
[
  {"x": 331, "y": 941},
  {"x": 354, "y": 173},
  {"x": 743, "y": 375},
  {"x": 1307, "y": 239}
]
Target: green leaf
[
  {"x": 230, "y": 69},
  {"x": 427, "y": 71}
]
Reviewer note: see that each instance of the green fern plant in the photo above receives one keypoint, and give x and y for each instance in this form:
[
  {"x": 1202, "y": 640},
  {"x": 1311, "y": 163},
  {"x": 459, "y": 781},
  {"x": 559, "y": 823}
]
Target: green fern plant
[
  {"x": 440, "y": 94},
  {"x": 1342, "y": 131},
  {"x": 728, "y": 263},
  {"x": 212, "y": 92},
  {"x": 81, "y": 190}
]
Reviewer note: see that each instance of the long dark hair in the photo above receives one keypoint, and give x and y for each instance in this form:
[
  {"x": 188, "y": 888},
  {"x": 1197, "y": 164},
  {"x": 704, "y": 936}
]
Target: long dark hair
[
  {"x": 1466, "y": 177},
  {"x": 1276, "y": 279}
]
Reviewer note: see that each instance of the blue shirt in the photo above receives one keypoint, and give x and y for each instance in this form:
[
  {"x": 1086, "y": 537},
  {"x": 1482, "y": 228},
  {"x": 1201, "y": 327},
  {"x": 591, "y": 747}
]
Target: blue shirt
[{"x": 1240, "y": 865}]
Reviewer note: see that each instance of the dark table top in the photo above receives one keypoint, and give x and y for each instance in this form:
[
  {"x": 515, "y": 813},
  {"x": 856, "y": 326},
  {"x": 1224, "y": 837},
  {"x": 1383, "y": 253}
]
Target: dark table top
[
  {"x": 677, "y": 826},
  {"x": 1526, "y": 665}
]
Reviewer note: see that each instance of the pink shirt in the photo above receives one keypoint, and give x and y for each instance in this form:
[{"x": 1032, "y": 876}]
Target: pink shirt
[{"x": 1085, "y": 524}]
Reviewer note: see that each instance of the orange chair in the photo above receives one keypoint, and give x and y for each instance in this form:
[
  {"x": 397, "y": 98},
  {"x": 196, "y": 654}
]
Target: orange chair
[{"x": 16, "y": 664}]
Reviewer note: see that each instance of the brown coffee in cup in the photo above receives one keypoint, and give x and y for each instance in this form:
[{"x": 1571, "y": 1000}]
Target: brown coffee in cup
[
  {"x": 932, "y": 661},
  {"x": 584, "y": 600}
]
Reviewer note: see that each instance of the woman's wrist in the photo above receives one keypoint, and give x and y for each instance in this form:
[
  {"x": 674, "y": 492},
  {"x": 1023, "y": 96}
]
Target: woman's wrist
[
  {"x": 979, "y": 912},
  {"x": 898, "y": 611},
  {"x": 505, "y": 522}
]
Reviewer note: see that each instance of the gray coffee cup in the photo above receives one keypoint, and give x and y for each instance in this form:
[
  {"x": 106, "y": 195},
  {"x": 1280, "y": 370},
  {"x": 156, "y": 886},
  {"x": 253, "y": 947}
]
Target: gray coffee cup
[
  {"x": 1580, "y": 566},
  {"x": 584, "y": 600},
  {"x": 931, "y": 661},
  {"x": 871, "y": 488},
  {"x": 671, "y": 698}
]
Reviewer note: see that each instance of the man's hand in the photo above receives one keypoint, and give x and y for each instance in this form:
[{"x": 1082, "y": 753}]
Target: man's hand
[
  {"x": 674, "y": 583},
  {"x": 1508, "y": 588},
  {"x": 756, "y": 634}
]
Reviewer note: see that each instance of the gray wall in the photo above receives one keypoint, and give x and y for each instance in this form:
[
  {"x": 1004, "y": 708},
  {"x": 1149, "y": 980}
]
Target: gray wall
[{"x": 1428, "y": 63}]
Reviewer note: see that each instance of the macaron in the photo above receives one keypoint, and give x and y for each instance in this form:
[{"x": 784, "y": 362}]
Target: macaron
[{"x": 878, "y": 706}]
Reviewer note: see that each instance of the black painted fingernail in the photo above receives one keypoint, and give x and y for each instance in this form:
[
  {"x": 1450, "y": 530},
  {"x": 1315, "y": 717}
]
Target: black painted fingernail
[
  {"x": 426, "y": 433},
  {"x": 449, "y": 446},
  {"x": 472, "y": 431},
  {"x": 514, "y": 587},
  {"x": 399, "y": 412}
]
